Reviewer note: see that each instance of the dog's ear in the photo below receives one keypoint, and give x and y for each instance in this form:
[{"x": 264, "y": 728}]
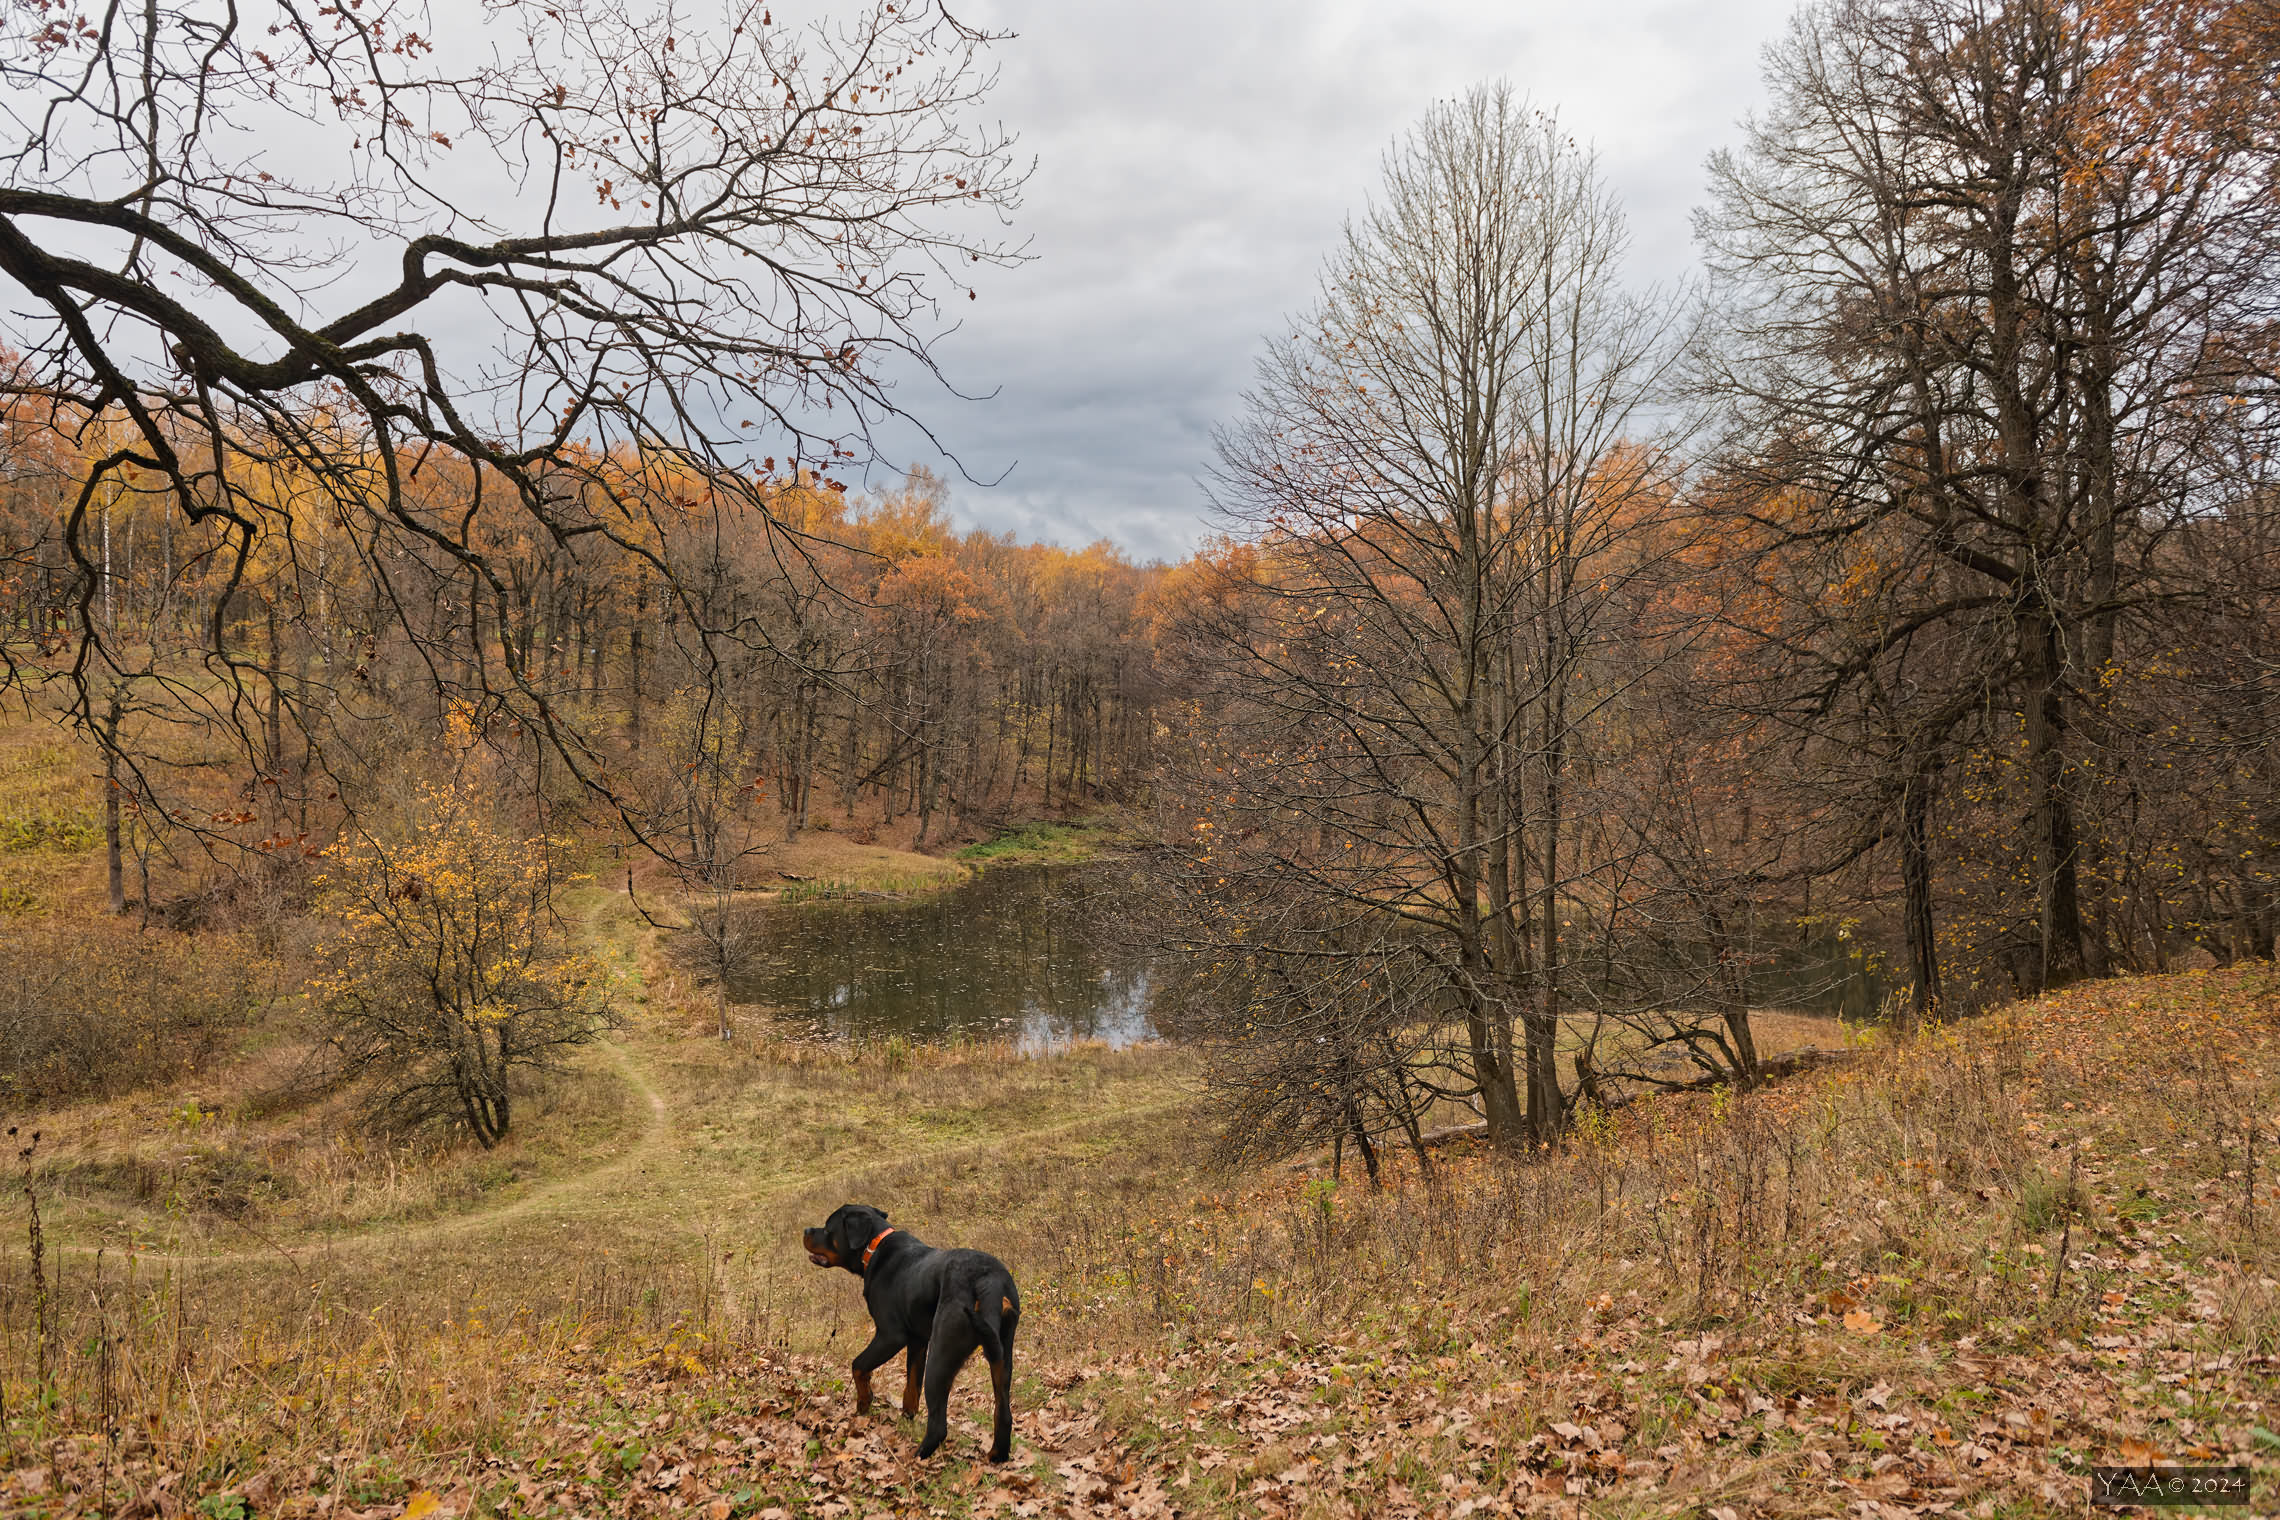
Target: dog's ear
[
  {"x": 849, "y": 1229},
  {"x": 861, "y": 1222}
]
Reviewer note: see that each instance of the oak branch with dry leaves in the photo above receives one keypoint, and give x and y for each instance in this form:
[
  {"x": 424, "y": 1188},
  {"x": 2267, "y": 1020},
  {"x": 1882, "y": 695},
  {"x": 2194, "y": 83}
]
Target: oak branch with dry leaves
[{"x": 412, "y": 286}]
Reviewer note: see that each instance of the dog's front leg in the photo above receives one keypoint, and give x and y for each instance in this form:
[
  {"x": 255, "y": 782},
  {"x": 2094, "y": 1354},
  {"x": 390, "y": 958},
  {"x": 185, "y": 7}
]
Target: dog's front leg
[{"x": 867, "y": 1361}]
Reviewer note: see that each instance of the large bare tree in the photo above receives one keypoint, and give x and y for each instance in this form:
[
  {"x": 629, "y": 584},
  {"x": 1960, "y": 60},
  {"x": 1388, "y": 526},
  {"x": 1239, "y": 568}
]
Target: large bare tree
[
  {"x": 570, "y": 272},
  {"x": 1444, "y": 484},
  {"x": 2000, "y": 274}
]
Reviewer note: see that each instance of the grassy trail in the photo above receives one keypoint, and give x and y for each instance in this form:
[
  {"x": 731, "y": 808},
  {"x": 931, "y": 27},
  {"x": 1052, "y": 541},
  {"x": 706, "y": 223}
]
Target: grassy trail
[
  {"x": 652, "y": 1140},
  {"x": 589, "y": 1194}
]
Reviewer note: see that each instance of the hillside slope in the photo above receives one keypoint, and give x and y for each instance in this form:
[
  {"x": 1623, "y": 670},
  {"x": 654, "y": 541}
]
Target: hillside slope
[{"x": 1943, "y": 1278}]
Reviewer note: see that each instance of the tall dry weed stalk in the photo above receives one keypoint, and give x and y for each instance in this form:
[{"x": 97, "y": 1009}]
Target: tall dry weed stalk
[{"x": 36, "y": 1255}]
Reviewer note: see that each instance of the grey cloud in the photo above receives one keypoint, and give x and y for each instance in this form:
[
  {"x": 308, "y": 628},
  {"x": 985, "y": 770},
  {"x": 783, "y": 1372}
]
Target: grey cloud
[{"x": 1194, "y": 164}]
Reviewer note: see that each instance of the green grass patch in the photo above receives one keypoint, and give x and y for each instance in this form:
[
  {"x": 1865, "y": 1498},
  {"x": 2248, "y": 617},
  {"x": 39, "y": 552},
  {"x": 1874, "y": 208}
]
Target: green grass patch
[
  {"x": 49, "y": 831},
  {"x": 1042, "y": 844},
  {"x": 883, "y": 884}
]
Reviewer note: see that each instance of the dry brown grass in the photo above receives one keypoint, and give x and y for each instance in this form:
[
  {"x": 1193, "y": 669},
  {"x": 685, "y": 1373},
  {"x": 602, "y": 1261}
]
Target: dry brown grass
[
  {"x": 1840, "y": 1251},
  {"x": 243, "y": 1156},
  {"x": 97, "y": 1008}
]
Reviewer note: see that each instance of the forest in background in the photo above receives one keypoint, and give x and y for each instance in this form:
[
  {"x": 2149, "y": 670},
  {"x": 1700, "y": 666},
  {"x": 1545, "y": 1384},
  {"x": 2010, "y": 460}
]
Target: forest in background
[
  {"x": 1573, "y": 666},
  {"x": 881, "y": 661}
]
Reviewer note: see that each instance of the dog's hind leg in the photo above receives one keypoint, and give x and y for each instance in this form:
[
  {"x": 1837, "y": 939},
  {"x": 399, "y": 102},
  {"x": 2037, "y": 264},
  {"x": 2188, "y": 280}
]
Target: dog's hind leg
[
  {"x": 914, "y": 1368},
  {"x": 953, "y": 1341},
  {"x": 995, "y": 1320},
  {"x": 1001, "y": 1394}
]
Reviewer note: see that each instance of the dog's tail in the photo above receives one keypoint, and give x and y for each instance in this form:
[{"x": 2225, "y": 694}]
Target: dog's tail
[{"x": 993, "y": 1304}]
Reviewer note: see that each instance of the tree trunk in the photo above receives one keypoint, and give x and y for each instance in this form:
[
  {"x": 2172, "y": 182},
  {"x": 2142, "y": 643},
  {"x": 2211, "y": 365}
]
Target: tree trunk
[
  {"x": 1052, "y": 729},
  {"x": 634, "y": 695},
  {"x": 273, "y": 727},
  {"x": 2049, "y": 774},
  {"x": 114, "y": 862},
  {"x": 1547, "y": 1109},
  {"x": 1733, "y": 993},
  {"x": 722, "y": 957},
  {"x": 1361, "y": 1134},
  {"x": 1916, "y": 891}
]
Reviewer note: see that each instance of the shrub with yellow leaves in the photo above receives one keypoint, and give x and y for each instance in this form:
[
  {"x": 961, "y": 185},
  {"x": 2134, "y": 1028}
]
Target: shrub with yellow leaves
[{"x": 443, "y": 979}]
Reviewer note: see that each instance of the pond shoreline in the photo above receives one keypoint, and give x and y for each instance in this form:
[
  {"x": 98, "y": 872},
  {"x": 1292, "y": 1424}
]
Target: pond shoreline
[{"x": 878, "y": 873}]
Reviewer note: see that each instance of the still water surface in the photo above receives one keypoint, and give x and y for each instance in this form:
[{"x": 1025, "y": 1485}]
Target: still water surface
[
  {"x": 1007, "y": 955},
  {"x": 1015, "y": 953}
]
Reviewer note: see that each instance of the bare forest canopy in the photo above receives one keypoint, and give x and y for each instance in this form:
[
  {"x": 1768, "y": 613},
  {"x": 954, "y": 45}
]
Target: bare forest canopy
[
  {"x": 1578, "y": 656},
  {"x": 885, "y": 668},
  {"x": 1577, "y": 668},
  {"x": 370, "y": 312}
]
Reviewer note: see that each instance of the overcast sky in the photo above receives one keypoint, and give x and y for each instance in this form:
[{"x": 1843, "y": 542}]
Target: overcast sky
[{"x": 1194, "y": 163}]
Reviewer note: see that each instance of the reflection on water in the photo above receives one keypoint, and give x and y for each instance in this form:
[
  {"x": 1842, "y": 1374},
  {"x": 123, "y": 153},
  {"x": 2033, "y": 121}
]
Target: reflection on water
[
  {"x": 1003, "y": 955},
  {"x": 1830, "y": 975}
]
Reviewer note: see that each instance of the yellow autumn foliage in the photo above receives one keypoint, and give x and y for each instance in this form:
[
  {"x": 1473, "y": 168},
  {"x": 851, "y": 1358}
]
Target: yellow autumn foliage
[{"x": 443, "y": 977}]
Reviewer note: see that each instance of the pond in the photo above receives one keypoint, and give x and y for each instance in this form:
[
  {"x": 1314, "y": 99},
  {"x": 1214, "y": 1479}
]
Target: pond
[
  {"x": 1015, "y": 954},
  {"x": 1835, "y": 976},
  {"x": 1006, "y": 955}
]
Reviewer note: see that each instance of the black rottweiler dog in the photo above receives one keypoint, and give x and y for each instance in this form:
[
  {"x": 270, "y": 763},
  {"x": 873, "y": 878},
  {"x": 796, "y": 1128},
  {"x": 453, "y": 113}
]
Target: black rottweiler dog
[{"x": 939, "y": 1304}]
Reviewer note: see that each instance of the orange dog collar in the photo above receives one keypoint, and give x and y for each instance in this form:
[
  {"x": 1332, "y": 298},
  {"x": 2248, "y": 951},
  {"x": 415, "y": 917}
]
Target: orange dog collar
[{"x": 874, "y": 1245}]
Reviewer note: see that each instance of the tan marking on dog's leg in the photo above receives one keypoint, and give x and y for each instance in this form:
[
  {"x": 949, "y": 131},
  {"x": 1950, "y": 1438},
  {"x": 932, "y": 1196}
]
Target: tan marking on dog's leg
[
  {"x": 862, "y": 1393},
  {"x": 1001, "y": 1422},
  {"x": 910, "y": 1390}
]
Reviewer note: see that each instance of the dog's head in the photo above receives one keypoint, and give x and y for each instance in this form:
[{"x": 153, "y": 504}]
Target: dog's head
[{"x": 839, "y": 1240}]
